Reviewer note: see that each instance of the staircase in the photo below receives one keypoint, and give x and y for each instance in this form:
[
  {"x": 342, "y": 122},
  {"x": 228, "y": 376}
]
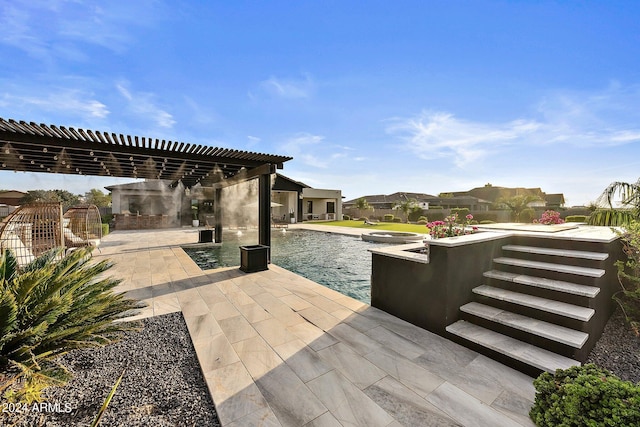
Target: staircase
[{"x": 540, "y": 308}]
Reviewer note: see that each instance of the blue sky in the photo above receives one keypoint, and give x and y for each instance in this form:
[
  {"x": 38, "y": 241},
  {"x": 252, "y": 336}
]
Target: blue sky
[{"x": 367, "y": 96}]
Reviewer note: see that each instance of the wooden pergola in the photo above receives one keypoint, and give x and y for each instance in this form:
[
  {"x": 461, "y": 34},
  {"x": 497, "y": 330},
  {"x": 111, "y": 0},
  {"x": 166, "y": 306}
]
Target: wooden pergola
[{"x": 41, "y": 148}]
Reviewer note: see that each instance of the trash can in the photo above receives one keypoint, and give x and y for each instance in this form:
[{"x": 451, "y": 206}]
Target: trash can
[
  {"x": 254, "y": 258},
  {"x": 205, "y": 236}
]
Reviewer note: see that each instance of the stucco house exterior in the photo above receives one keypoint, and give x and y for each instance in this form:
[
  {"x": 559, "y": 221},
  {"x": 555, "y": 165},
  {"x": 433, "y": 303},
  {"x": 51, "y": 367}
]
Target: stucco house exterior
[{"x": 156, "y": 204}]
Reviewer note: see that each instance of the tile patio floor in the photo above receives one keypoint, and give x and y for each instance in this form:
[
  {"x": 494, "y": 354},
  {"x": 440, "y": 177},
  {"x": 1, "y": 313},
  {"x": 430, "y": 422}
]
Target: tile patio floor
[{"x": 278, "y": 349}]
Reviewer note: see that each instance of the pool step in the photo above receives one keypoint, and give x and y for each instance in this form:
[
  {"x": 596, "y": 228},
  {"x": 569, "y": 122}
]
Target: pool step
[
  {"x": 594, "y": 256},
  {"x": 510, "y": 347},
  {"x": 543, "y": 304},
  {"x": 544, "y": 283},
  {"x": 549, "y": 266},
  {"x": 550, "y": 331}
]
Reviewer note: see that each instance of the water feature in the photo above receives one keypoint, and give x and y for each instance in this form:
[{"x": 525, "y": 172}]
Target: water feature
[{"x": 339, "y": 262}]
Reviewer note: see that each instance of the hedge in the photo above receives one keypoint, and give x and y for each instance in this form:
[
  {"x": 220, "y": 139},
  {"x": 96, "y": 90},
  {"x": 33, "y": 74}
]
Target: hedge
[
  {"x": 576, "y": 218},
  {"x": 585, "y": 396},
  {"x": 388, "y": 217}
]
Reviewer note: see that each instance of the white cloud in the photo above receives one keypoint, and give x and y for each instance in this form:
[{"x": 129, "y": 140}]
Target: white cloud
[
  {"x": 288, "y": 88},
  {"x": 605, "y": 118},
  {"x": 70, "y": 101},
  {"x": 143, "y": 105},
  {"x": 434, "y": 135},
  {"x": 302, "y": 146}
]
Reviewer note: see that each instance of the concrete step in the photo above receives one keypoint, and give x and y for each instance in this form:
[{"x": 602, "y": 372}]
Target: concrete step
[
  {"x": 544, "y": 283},
  {"x": 510, "y": 347},
  {"x": 549, "y": 266},
  {"x": 594, "y": 256},
  {"x": 556, "y": 307},
  {"x": 540, "y": 328}
]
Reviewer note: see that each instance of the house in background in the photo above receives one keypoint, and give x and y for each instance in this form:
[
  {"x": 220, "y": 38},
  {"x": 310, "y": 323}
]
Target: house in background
[
  {"x": 302, "y": 202},
  {"x": 494, "y": 193},
  {"x": 156, "y": 204},
  {"x": 9, "y": 201},
  {"x": 385, "y": 203}
]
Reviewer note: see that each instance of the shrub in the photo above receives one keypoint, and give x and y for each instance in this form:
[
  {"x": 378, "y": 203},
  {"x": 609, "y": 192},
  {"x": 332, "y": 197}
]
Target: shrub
[
  {"x": 629, "y": 276},
  {"x": 105, "y": 229},
  {"x": 436, "y": 216},
  {"x": 346, "y": 217},
  {"x": 422, "y": 218},
  {"x": 527, "y": 215},
  {"x": 55, "y": 304},
  {"x": 106, "y": 219},
  {"x": 389, "y": 217},
  {"x": 486, "y": 221},
  {"x": 576, "y": 218},
  {"x": 550, "y": 217},
  {"x": 585, "y": 396},
  {"x": 462, "y": 212},
  {"x": 422, "y": 222},
  {"x": 397, "y": 220},
  {"x": 485, "y": 216}
]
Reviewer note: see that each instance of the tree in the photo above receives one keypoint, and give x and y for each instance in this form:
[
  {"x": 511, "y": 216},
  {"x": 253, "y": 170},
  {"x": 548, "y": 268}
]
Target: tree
[
  {"x": 629, "y": 194},
  {"x": 97, "y": 197},
  {"x": 405, "y": 207},
  {"x": 52, "y": 196},
  {"x": 517, "y": 204},
  {"x": 362, "y": 205},
  {"x": 445, "y": 195}
]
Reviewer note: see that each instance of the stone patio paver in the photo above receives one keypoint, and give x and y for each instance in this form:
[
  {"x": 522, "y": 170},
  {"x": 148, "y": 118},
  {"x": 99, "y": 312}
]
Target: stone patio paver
[{"x": 279, "y": 349}]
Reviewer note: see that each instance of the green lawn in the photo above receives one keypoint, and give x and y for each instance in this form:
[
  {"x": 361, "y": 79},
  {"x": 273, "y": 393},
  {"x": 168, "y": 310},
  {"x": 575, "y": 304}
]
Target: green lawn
[{"x": 390, "y": 226}]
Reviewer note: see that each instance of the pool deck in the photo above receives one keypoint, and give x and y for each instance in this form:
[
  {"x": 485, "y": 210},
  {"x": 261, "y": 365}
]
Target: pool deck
[{"x": 278, "y": 349}]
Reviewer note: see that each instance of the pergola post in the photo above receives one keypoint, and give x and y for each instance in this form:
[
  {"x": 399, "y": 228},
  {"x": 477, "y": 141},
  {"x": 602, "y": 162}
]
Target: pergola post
[
  {"x": 264, "y": 210},
  {"x": 217, "y": 214}
]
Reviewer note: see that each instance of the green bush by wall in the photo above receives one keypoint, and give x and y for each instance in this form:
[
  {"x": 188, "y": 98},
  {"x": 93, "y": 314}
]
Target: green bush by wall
[
  {"x": 397, "y": 219},
  {"x": 435, "y": 216},
  {"x": 527, "y": 215},
  {"x": 585, "y": 396},
  {"x": 421, "y": 221},
  {"x": 389, "y": 217},
  {"x": 576, "y": 218},
  {"x": 462, "y": 212},
  {"x": 105, "y": 229},
  {"x": 346, "y": 217}
]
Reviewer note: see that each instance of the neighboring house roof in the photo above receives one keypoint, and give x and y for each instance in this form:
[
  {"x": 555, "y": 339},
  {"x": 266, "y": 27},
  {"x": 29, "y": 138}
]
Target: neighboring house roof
[
  {"x": 392, "y": 198},
  {"x": 284, "y": 183},
  {"x": 554, "y": 199},
  {"x": 12, "y": 193}
]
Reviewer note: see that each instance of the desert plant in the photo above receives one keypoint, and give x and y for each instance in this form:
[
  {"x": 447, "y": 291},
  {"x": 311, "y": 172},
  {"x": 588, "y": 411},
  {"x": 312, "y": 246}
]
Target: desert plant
[
  {"x": 406, "y": 207},
  {"x": 517, "y": 204},
  {"x": 55, "y": 304},
  {"x": 585, "y": 396}
]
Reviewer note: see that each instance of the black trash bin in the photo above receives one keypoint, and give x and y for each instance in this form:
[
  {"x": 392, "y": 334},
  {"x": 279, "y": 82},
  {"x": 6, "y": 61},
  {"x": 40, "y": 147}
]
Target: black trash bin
[
  {"x": 254, "y": 258},
  {"x": 205, "y": 236}
]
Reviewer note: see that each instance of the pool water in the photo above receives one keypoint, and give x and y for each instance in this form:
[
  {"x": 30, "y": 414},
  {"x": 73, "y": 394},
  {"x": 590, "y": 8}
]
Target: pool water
[{"x": 337, "y": 261}]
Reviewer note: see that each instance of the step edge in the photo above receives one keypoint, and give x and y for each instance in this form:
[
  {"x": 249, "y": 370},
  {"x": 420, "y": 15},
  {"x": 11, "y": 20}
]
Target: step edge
[
  {"x": 549, "y": 266},
  {"x": 574, "y": 344},
  {"x": 588, "y": 291},
  {"x": 478, "y": 290},
  {"x": 569, "y": 253},
  {"x": 515, "y": 356}
]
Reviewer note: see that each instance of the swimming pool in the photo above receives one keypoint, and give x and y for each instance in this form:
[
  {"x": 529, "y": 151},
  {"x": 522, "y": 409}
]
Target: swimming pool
[{"x": 337, "y": 261}]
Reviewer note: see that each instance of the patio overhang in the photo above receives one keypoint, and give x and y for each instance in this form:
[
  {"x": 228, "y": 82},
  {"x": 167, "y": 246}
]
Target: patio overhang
[{"x": 31, "y": 147}]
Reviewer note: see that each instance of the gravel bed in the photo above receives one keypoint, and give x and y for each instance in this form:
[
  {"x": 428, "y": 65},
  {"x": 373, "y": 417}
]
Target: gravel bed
[
  {"x": 618, "y": 349},
  {"x": 162, "y": 386}
]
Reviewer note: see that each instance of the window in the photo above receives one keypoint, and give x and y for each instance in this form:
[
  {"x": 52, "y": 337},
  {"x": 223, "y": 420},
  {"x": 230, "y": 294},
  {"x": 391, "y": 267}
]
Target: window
[{"x": 331, "y": 207}]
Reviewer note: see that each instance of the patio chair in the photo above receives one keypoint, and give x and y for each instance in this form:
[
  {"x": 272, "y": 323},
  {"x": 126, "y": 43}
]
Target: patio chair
[
  {"x": 32, "y": 230},
  {"x": 82, "y": 227}
]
